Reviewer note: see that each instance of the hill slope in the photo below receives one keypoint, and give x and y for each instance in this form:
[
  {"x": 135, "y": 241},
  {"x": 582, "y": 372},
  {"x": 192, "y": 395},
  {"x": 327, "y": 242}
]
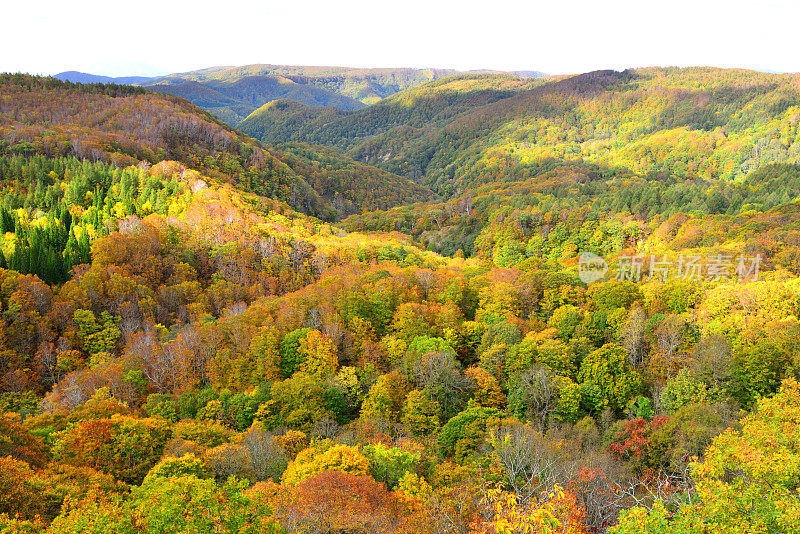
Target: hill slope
[
  {"x": 710, "y": 123},
  {"x": 176, "y": 350},
  {"x": 232, "y": 101},
  {"x": 233, "y": 93},
  {"x": 125, "y": 125}
]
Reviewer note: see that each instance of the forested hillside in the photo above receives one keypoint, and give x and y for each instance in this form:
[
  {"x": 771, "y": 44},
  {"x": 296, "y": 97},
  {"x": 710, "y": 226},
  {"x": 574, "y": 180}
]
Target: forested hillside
[
  {"x": 427, "y": 106},
  {"x": 567, "y": 209},
  {"x": 365, "y": 85},
  {"x": 233, "y": 101},
  {"x": 233, "y": 93},
  {"x": 594, "y": 327},
  {"x": 708, "y": 123},
  {"x": 124, "y": 125}
]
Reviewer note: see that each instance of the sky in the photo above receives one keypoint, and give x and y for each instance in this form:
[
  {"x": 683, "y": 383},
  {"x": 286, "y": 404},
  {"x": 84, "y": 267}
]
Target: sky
[{"x": 154, "y": 37}]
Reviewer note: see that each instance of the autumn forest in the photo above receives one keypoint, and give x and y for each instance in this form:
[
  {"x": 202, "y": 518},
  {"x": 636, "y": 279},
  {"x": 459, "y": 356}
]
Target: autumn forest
[{"x": 355, "y": 301}]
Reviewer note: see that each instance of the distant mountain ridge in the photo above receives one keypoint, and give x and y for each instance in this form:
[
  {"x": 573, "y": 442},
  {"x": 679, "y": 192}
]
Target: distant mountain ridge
[
  {"x": 234, "y": 92},
  {"x": 84, "y": 77},
  {"x": 368, "y": 85},
  {"x": 232, "y": 101}
]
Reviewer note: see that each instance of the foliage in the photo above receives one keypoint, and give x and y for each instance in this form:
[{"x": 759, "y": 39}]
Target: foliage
[
  {"x": 296, "y": 402},
  {"x": 122, "y": 446},
  {"x": 168, "y": 318},
  {"x": 389, "y": 464},
  {"x": 386, "y": 397},
  {"x": 464, "y": 433},
  {"x": 344, "y": 502},
  {"x": 188, "y": 465},
  {"x": 762, "y": 457},
  {"x": 608, "y": 369},
  {"x": 420, "y": 413},
  {"x": 557, "y": 511},
  {"x": 194, "y": 505},
  {"x": 337, "y": 457}
]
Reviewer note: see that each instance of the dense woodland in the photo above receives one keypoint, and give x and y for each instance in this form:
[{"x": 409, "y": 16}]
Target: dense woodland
[{"x": 195, "y": 339}]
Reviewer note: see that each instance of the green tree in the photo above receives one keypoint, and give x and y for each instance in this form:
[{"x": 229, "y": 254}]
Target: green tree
[
  {"x": 464, "y": 433},
  {"x": 389, "y": 464},
  {"x": 609, "y": 370},
  {"x": 190, "y": 504},
  {"x": 290, "y": 356},
  {"x": 297, "y": 402},
  {"x": 97, "y": 337}
]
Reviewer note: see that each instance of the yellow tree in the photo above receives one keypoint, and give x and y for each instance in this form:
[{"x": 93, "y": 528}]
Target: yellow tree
[
  {"x": 317, "y": 459},
  {"x": 318, "y": 353}
]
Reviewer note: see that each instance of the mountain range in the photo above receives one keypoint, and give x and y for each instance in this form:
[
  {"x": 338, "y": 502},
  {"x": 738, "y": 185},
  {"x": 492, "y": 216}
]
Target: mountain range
[
  {"x": 233, "y": 93},
  {"x": 83, "y": 77},
  {"x": 454, "y": 133}
]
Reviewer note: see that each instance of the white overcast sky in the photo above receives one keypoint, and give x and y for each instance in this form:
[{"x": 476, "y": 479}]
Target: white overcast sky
[{"x": 151, "y": 37}]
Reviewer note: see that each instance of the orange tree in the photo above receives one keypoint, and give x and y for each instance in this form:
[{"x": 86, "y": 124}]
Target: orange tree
[
  {"x": 335, "y": 501},
  {"x": 122, "y": 446},
  {"x": 557, "y": 511}
]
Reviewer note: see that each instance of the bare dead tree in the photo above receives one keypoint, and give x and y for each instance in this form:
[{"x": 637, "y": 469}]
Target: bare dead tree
[
  {"x": 157, "y": 364},
  {"x": 314, "y": 318},
  {"x": 319, "y": 260},
  {"x": 439, "y": 374},
  {"x": 48, "y": 357},
  {"x": 300, "y": 252},
  {"x": 326, "y": 428},
  {"x": 265, "y": 457},
  {"x": 670, "y": 335},
  {"x": 331, "y": 326},
  {"x": 671, "y": 487},
  {"x": 266, "y": 247},
  {"x": 599, "y": 488},
  {"x": 426, "y": 279},
  {"x": 633, "y": 335},
  {"x": 452, "y": 513},
  {"x": 539, "y": 389},
  {"x": 438, "y": 217},
  {"x": 228, "y": 461},
  {"x": 466, "y": 205},
  {"x": 533, "y": 462}
]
